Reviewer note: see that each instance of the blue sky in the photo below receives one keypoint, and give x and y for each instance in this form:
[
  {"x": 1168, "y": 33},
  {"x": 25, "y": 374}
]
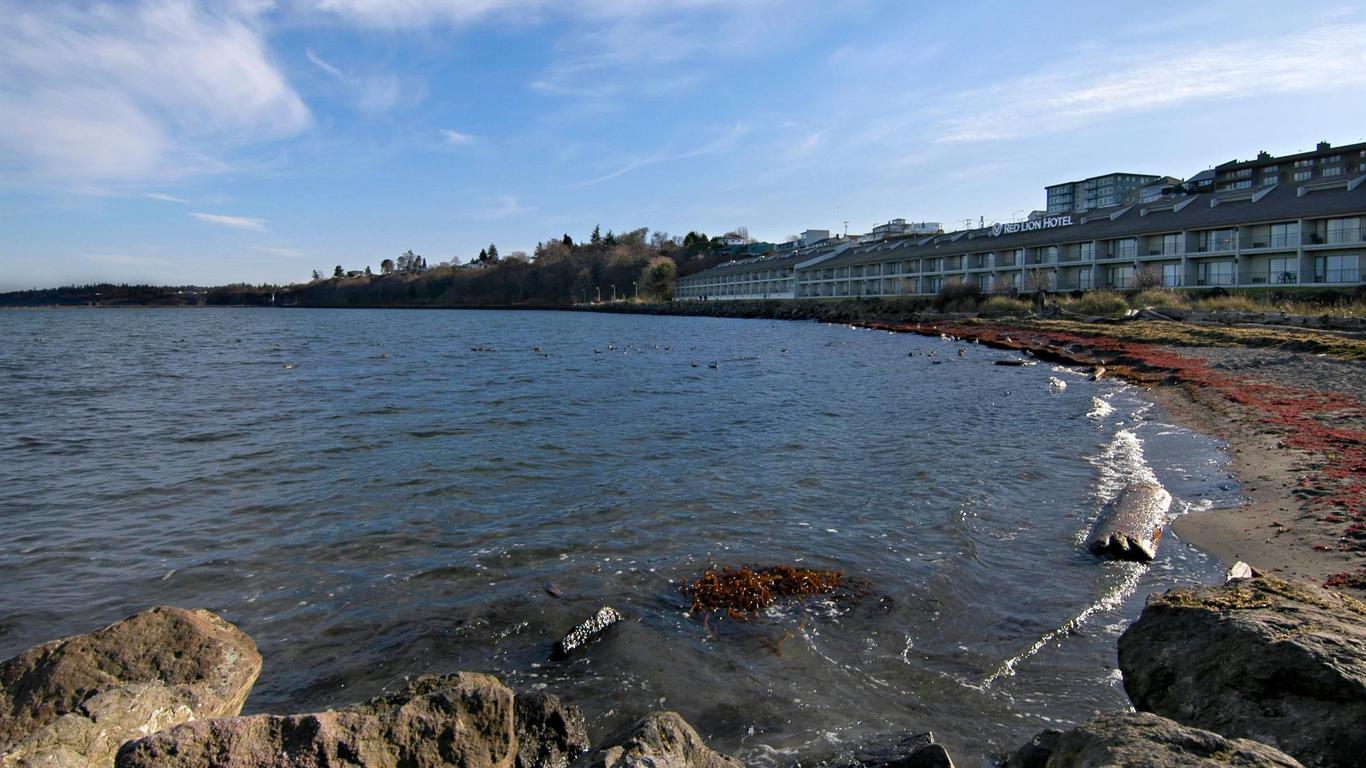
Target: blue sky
[{"x": 171, "y": 141}]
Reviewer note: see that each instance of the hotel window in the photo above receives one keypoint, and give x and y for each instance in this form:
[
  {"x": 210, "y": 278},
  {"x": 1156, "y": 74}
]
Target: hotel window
[
  {"x": 1214, "y": 273},
  {"x": 1124, "y": 249},
  {"x": 1304, "y": 163},
  {"x": 1224, "y": 239},
  {"x": 1285, "y": 235},
  {"x": 1171, "y": 275},
  {"x": 1332, "y": 170},
  {"x": 1268, "y": 181},
  {"x": 1084, "y": 278},
  {"x": 1337, "y": 268},
  {"x": 1088, "y": 251},
  {"x": 1171, "y": 244},
  {"x": 1344, "y": 230},
  {"x": 1119, "y": 277},
  {"x": 1333, "y": 159},
  {"x": 1303, "y": 175},
  {"x": 1241, "y": 173},
  {"x": 1270, "y": 169},
  {"x": 1283, "y": 271}
]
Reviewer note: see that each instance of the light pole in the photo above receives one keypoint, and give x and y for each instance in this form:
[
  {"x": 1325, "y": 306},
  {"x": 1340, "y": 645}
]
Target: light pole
[
  {"x": 635, "y": 284},
  {"x": 614, "y": 293},
  {"x": 598, "y": 288}
]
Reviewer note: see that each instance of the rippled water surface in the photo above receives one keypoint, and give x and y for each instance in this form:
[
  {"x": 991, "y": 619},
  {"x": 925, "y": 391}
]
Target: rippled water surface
[{"x": 369, "y": 499}]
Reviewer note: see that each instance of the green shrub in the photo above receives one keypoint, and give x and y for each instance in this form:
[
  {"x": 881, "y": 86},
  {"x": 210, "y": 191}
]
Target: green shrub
[
  {"x": 1098, "y": 303},
  {"x": 1003, "y": 306}
]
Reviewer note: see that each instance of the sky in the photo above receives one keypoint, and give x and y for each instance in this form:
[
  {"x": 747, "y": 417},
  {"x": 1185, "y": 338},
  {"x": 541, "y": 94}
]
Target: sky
[{"x": 182, "y": 142}]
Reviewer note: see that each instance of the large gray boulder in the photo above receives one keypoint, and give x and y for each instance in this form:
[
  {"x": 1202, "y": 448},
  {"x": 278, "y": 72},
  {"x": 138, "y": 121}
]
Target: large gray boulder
[
  {"x": 1125, "y": 739},
  {"x": 658, "y": 740},
  {"x": 72, "y": 702},
  {"x": 463, "y": 720},
  {"x": 550, "y": 733},
  {"x": 1263, "y": 659}
]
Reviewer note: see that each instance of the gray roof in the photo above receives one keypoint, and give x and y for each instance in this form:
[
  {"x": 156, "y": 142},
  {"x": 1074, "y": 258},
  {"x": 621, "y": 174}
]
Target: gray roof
[{"x": 1280, "y": 203}]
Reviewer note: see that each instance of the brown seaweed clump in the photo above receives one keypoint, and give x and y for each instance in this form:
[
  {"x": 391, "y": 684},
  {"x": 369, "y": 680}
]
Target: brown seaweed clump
[{"x": 745, "y": 591}]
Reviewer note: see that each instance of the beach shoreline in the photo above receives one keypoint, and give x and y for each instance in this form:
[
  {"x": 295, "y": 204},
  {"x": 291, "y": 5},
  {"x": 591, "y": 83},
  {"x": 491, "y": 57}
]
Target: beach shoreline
[{"x": 1288, "y": 403}]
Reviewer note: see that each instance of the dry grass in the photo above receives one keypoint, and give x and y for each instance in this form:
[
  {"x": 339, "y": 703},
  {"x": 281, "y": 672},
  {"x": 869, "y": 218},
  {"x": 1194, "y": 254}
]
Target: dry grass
[
  {"x": 1160, "y": 298},
  {"x": 1098, "y": 304},
  {"x": 1004, "y": 306}
]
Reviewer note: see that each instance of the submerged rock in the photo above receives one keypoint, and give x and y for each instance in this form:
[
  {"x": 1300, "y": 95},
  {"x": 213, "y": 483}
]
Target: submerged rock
[
  {"x": 1131, "y": 525},
  {"x": 1035, "y": 752},
  {"x": 74, "y": 701},
  {"x": 1145, "y": 739},
  {"x": 464, "y": 719},
  {"x": 1261, "y": 658},
  {"x": 915, "y": 751},
  {"x": 550, "y": 734},
  {"x": 658, "y": 740},
  {"x": 586, "y": 632}
]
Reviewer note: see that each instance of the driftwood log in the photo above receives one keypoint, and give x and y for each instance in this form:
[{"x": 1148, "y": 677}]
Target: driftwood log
[{"x": 1130, "y": 526}]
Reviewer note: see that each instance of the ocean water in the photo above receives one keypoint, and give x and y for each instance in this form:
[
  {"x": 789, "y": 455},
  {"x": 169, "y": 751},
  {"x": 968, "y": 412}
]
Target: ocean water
[{"x": 371, "y": 498}]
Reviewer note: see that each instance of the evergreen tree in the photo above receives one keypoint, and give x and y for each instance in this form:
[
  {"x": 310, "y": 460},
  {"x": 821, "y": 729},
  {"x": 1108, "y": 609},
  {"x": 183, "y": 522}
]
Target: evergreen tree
[
  {"x": 483, "y": 256},
  {"x": 338, "y": 272},
  {"x": 568, "y": 241},
  {"x": 610, "y": 239},
  {"x": 596, "y": 237},
  {"x": 493, "y": 253}
]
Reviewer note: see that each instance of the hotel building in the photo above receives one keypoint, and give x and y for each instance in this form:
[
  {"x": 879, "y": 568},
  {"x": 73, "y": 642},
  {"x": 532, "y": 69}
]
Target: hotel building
[{"x": 1288, "y": 233}]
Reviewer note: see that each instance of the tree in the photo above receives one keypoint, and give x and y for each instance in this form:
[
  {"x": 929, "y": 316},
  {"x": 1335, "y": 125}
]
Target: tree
[
  {"x": 386, "y": 266},
  {"x": 596, "y": 237},
  {"x": 658, "y": 278},
  {"x": 519, "y": 257},
  {"x": 338, "y": 272},
  {"x": 1147, "y": 277},
  {"x": 493, "y": 253},
  {"x": 317, "y": 275},
  {"x": 368, "y": 273},
  {"x": 483, "y": 256},
  {"x": 610, "y": 239},
  {"x": 567, "y": 240}
]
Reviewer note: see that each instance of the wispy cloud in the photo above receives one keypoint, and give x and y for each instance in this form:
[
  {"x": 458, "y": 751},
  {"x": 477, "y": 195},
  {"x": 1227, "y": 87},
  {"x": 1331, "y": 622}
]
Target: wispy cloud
[
  {"x": 501, "y": 207},
  {"x": 236, "y": 222},
  {"x": 166, "y": 198},
  {"x": 104, "y": 92},
  {"x": 284, "y": 253},
  {"x": 722, "y": 143},
  {"x": 457, "y": 138},
  {"x": 1330, "y": 58},
  {"x": 373, "y": 94}
]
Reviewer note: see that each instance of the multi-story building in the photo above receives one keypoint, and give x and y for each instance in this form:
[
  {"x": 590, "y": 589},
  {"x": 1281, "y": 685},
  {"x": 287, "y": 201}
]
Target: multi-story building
[
  {"x": 1325, "y": 162},
  {"x": 771, "y": 276},
  {"x": 903, "y": 228},
  {"x": 1308, "y": 233},
  {"x": 1095, "y": 192}
]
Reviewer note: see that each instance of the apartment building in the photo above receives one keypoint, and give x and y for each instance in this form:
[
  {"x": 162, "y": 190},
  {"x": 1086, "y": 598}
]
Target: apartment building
[
  {"x": 1096, "y": 192},
  {"x": 1324, "y": 163}
]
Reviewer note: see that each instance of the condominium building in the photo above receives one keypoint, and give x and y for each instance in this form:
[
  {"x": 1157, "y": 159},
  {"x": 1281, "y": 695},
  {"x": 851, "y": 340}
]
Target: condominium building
[
  {"x": 1096, "y": 192},
  {"x": 1325, "y": 162},
  {"x": 771, "y": 276},
  {"x": 903, "y": 228},
  {"x": 1307, "y": 233}
]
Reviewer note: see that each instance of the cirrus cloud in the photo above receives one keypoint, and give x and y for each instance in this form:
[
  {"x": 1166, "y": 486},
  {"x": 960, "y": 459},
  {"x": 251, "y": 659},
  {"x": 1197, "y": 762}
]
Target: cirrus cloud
[
  {"x": 236, "y": 222},
  {"x": 154, "y": 90}
]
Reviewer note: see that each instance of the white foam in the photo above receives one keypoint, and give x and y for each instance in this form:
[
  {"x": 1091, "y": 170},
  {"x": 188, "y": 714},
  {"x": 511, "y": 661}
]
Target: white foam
[{"x": 1099, "y": 409}]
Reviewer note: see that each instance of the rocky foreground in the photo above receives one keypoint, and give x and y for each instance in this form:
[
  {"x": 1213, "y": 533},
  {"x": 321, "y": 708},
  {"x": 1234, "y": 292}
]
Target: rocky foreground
[{"x": 1259, "y": 672}]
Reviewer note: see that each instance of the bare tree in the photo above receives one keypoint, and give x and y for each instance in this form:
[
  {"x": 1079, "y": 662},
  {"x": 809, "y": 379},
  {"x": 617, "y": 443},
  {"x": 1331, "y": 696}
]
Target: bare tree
[
  {"x": 1147, "y": 277},
  {"x": 1036, "y": 280}
]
